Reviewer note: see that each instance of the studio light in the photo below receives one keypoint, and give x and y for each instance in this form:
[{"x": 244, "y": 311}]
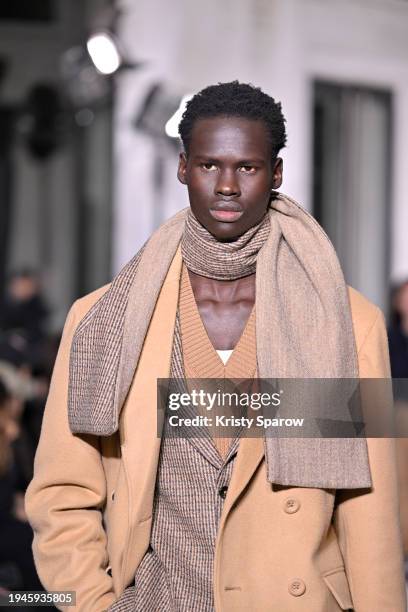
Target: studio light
[
  {"x": 104, "y": 53},
  {"x": 171, "y": 127},
  {"x": 84, "y": 85},
  {"x": 161, "y": 111}
]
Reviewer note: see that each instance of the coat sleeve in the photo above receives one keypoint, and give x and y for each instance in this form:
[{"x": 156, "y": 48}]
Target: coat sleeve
[
  {"x": 65, "y": 498},
  {"x": 367, "y": 522}
]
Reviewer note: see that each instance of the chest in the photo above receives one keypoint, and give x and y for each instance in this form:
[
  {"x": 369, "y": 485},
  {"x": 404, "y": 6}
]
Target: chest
[
  {"x": 224, "y": 323},
  {"x": 224, "y": 308}
]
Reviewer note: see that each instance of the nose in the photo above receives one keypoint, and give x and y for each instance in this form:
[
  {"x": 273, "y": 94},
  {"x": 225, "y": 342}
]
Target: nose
[{"x": 227, "y": 184}]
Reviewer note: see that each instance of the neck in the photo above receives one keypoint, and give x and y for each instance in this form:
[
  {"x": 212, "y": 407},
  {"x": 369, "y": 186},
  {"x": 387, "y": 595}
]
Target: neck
[{"x": 222, "y": 290}]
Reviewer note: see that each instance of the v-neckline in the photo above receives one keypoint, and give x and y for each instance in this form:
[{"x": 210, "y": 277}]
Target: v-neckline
[{"x": 197, "y": 315}]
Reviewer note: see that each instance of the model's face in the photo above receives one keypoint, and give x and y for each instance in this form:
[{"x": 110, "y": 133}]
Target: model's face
[{"x": 229, "y": 174}]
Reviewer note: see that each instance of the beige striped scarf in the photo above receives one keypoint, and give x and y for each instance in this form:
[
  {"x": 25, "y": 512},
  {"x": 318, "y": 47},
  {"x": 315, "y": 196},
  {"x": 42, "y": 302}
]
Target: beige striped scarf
[
  {"x": 303, "y": 330},
  {"x": 205, "y": 255}
]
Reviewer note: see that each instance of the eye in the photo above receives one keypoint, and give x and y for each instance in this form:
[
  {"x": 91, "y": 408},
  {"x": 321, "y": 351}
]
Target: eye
[
  {"x": 209, "y": 166},
  {"x": 247, "y": 169}
]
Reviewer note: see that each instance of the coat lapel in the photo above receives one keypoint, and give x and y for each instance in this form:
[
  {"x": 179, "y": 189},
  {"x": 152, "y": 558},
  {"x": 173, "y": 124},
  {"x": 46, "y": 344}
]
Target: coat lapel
[{"x": 250, "y": 454}]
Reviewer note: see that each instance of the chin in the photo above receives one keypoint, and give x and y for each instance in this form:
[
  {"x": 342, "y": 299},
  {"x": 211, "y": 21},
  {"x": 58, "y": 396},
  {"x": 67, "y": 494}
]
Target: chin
[
  {"x": 222, "y": 231},
  {"x": 225, "y": 232}
]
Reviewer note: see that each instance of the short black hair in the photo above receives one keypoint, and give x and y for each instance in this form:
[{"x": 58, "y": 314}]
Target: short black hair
[{"x": 235, "y": 99}]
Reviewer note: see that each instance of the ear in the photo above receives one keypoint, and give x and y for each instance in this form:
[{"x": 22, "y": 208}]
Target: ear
[
  {"x": 182, "y": 168},
  {"x": 277, "y": 173}
]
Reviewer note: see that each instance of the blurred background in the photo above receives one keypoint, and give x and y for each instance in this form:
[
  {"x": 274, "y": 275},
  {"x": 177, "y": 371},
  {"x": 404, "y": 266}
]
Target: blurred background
[{"x": 90, "y": 95}]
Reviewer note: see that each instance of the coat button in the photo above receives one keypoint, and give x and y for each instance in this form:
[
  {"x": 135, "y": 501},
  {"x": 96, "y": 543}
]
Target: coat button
[
  {"x": 291, "y": 505},
  {"x": 223, "y": 492},
  {"x": 297, "y": 587}
]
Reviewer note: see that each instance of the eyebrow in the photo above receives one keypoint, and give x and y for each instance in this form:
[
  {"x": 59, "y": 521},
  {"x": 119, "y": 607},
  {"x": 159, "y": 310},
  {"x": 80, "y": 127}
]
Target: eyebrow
[{"x": 243, "y": 162}]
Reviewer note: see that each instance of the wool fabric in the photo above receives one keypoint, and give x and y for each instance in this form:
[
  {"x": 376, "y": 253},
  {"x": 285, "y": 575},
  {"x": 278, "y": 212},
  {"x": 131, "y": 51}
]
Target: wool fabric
[
  {"x": 207, "y": 256},
  {"x": 303, "y": 330}
]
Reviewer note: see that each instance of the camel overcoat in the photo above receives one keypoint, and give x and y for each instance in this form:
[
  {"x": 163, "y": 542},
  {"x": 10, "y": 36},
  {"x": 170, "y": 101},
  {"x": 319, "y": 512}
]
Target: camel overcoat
[{"x": 279, "y": 548}]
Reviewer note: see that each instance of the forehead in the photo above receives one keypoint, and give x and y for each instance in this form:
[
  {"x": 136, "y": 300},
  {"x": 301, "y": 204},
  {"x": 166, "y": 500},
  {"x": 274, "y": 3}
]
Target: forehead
[{"x": 230, "y": 136}]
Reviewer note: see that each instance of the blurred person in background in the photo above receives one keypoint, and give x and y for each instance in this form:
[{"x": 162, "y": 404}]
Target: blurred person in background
[
  {"x": 243, "y": 284},
  {"x": 17, "y": 570},
  {"x": 23, "y": 316},
  {"x": 398, "y": 331},
  {"x": 24, "y": 347},
  {"x": 398, "y": 345},
  {"x": 24, "y": 309},
  {"x": 28, "y": 399},
  {"x": 24, "y": 386}
]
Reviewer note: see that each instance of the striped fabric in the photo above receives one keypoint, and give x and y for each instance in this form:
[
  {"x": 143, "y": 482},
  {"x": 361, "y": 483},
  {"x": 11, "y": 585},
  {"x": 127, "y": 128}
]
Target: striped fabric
[
  {"x": 103, "y": 356},
  {"x": 206, "y": 256},
  {"x": 96, "y": 378}
]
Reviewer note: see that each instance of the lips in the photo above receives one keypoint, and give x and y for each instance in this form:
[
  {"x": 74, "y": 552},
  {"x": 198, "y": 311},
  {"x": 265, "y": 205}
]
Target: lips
[{"x": 226, "y": 211}]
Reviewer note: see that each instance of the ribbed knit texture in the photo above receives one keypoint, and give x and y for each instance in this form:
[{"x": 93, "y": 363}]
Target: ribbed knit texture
[
  {"x": 205, "y": 255},
  {"x": 200, "y": 357}
]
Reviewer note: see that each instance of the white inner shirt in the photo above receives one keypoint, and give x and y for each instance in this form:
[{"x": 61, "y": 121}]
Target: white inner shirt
[{"x": 224, "y": 355}]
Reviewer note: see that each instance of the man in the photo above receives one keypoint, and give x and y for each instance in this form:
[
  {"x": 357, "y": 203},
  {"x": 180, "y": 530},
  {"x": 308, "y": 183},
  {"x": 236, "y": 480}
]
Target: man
[{"x": 135, "y": 521}]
